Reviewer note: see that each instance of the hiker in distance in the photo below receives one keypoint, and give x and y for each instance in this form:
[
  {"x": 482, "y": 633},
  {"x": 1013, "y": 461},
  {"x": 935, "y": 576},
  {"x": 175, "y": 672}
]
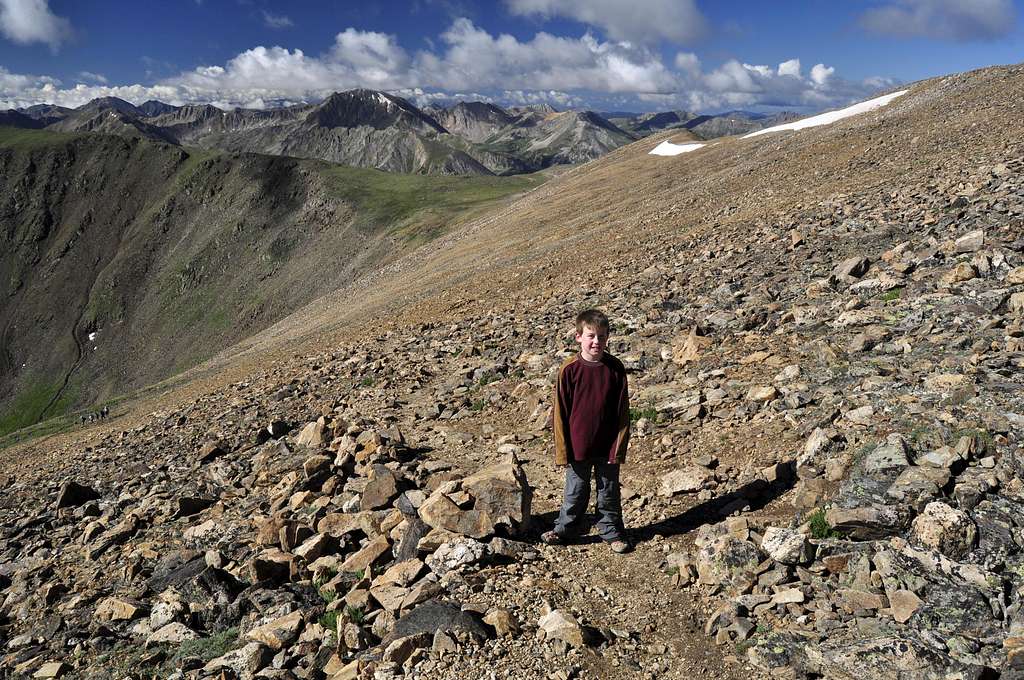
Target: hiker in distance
[{"x": 591, "y": 431}]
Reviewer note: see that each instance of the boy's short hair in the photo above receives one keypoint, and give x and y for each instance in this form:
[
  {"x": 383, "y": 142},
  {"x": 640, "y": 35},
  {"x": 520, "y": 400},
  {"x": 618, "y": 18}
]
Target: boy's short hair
[{"x": 594, "y": 318}]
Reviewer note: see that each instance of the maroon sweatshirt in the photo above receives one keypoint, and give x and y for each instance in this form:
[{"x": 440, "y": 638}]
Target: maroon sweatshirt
[{"x": 591, "y": 411}]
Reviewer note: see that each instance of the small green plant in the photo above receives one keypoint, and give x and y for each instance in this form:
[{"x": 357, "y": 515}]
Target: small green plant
[
  {"x": 820, "y": 528},
  {"x": 207, "y": 648},
  {"x": 487, "y": 379},
  {"x": 923, "y": 436},
  {"x": 743, "y": 645},
  {"x": 893, "y": 294},
  {"x": 355, "y": 614},
  {"x": 330, "y": 620},
  {"x": 672, "y": 571},
  {"x": 862, "y": 451},
  {"x": 328, "y": 596},
  {"x": 478, "y": 405},
  {"x": 367, "y": 381},
  {"x": 648, "y": 412}
]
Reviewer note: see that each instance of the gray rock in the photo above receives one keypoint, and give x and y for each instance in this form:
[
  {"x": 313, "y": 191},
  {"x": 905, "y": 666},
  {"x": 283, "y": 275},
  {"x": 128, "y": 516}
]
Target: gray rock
[
  {"x": 435, "y": 615},
  {"x": 946, "y": 529},
  {"x": 971, "y": 242},
  {"x": 787, "y": 546},
  {"x": 870, "y": 522},
  {"x": 918, "y": 485},
  {"x": 456, "y": 554},
  {"x": 888, "y": 457}
]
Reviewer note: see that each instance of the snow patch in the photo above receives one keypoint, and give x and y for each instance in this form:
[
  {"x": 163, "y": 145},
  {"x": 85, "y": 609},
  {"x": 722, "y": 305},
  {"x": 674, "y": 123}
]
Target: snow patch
[
  {"x": 832, "y": 116},
  {"x": 670, "y": 149},
  {"x": 92, "y": 336}
]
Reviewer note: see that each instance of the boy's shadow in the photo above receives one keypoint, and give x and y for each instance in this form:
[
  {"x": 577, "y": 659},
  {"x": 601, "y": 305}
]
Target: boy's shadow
[{"x": 748, "y": 498}]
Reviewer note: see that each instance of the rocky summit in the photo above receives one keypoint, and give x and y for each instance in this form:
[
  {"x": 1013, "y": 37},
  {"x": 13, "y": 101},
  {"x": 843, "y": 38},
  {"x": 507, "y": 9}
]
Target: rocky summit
[{"x": 824, "y": 334}]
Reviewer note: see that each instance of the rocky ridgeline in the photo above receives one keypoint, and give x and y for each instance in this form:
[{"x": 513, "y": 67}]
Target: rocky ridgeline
[{"x": 824, "y": 477}]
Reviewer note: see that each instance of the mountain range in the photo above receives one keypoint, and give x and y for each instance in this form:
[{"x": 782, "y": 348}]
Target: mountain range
[{"x": 370, "y": 129}]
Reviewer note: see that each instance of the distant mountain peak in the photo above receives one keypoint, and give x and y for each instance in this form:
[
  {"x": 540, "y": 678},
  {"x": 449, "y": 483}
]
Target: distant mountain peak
[
  {"x": 371, "y": 108},
  {"x": 120, "y": 105}
]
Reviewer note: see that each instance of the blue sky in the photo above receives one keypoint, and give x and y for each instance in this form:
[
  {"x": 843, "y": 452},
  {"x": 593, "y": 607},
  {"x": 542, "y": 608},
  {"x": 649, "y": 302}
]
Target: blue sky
[{"x": 640, "y": 55}]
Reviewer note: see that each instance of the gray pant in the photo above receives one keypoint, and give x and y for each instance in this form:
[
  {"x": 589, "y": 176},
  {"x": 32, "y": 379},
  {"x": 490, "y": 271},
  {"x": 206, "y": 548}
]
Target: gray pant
[{"x": 577, "y": 496}]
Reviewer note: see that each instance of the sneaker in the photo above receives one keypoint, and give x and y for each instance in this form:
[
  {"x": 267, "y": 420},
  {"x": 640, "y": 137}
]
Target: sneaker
[
  {"x": 552, "y": 538},
  {"x": 619, "y": 547}
]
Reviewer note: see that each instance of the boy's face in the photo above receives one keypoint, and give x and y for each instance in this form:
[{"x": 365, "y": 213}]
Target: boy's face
[{"x": 593, "y": 342}]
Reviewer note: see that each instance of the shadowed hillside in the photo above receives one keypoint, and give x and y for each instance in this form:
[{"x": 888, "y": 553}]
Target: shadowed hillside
[{"x": 125, "y": 261}]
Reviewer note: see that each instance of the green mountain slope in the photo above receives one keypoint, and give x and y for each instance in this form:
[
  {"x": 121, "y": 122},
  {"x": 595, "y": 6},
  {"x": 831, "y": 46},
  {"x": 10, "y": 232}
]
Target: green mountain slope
[{"x": 124, "y": 261}]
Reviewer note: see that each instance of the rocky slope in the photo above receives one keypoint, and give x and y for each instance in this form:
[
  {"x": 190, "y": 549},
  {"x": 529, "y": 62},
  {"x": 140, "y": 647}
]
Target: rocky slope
[
  {"x": 474, "y": 121},
  {"x": 823, "y": 320},
  {"x": 543, "y": 139}
]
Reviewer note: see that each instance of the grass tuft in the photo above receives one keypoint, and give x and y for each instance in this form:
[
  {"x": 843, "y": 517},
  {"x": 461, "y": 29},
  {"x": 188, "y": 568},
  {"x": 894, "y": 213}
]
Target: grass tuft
[
  {"x": 892, "y": 294},
  {"x": 648, "y": 412},
  {"x": 820, "y": 528}
]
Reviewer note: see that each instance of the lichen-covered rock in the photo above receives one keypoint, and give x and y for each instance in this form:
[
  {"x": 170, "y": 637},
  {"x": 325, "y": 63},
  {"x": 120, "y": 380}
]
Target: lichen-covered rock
[
  {"x": 946, "y": 529},
  {"x": 870, "y": 522},
  {"x": 455, "y": 554},
  {"x": 903, "y": 657},
  {"x": 787, "y": 546},
  {"x": 727, "y": 561}
]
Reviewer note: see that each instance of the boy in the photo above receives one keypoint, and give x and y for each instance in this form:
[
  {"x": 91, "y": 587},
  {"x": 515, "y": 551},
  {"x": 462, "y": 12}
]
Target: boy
[{"x": 591, "y": 427}]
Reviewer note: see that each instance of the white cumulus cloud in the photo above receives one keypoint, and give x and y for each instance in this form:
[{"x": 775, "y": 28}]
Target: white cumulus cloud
[
  {"x": 476, "y": 59},
  {"x": 640, "y": 21},
  {"x": 821, "y": 73},
  {"x": 789, "y": 68},
  {"x": 29, "y": 21},
  {"x": 957, "y": 20}
]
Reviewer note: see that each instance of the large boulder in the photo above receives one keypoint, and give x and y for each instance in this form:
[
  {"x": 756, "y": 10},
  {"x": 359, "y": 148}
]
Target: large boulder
[
  {"x": 727, "y": 561},
  {"x": 434, "y": 615},
  {"x": 497, "y": 498},
  {"x": 870, "y": 522},
  {"x": 787, "y": 546},
  {"x": 946, "y": 529}
]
